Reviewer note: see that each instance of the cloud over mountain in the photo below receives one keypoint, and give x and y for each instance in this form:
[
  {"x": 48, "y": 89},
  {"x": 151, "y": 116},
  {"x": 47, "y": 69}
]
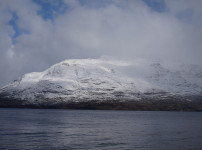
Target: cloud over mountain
[{"x": 35, "y": 34}]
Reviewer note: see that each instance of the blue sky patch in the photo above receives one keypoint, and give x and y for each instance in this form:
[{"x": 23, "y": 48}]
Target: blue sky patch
[
  {"x": 156, "y": 5},
  {"x": 51, "y": 8},
  {"x": 95, "y": 3},
  {"x": 18, "y": 31},
  {"x": 185, "y": 15}
]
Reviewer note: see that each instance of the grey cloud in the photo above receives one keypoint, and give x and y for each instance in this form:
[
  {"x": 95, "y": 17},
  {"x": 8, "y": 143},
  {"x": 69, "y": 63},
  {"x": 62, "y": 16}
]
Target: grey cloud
[{"x": 121, "y": 29}]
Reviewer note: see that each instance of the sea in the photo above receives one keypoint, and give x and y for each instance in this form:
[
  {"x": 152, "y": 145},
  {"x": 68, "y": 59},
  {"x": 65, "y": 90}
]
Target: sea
[{"x": 54, "y": 129}]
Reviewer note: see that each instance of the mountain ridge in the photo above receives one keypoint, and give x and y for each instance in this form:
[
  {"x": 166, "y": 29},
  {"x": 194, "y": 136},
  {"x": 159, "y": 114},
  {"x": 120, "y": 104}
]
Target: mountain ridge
[{"x": 109, "y": 84}]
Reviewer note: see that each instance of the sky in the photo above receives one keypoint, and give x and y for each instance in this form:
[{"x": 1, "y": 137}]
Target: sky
[{"x": 35, "y": 34}]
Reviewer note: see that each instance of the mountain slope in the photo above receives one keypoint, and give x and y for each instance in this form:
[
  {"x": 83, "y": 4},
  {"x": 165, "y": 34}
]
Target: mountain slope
[{"x": 99, "y": 83}]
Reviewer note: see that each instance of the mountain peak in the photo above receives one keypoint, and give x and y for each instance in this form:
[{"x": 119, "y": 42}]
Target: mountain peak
[{"x": 98, "y": 79}]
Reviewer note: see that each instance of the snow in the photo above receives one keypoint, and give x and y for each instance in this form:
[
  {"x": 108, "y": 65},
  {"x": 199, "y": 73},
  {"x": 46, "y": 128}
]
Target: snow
[{"x": 98, "y": 79}]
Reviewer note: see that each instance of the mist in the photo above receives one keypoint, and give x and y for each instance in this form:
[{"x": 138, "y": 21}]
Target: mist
[{"x": 34, "y": 37}]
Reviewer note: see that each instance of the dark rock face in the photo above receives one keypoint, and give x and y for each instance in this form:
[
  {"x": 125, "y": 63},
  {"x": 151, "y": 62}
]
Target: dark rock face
[{"x": 172, "y": 103}]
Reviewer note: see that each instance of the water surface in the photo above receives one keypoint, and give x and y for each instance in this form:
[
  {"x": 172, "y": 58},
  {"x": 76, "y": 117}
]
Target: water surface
[{"x": 43, "y": 129}]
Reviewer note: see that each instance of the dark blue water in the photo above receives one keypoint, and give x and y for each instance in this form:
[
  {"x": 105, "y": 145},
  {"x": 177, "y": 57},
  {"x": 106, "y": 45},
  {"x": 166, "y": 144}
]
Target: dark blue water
[{"x": 99, "y": 130}]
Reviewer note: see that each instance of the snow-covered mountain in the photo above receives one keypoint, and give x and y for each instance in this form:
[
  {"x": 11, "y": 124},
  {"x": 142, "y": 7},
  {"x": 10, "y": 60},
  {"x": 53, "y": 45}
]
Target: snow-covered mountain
[{"x": 101, "y": 81}]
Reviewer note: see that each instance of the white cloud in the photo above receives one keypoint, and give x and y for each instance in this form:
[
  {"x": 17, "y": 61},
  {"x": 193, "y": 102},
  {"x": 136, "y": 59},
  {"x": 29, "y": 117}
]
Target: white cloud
[{"x": 121, "y": 29}]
